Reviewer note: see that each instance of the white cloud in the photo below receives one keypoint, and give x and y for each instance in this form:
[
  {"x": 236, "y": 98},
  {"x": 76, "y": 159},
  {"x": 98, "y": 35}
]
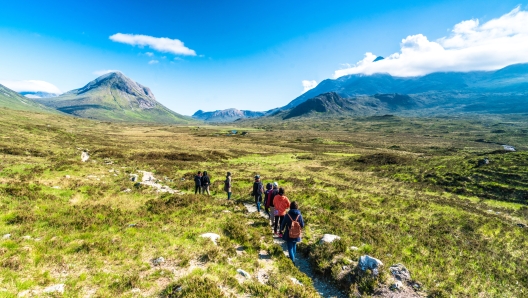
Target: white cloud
[
  {"x": 150, "y": 54},
  {"x": 31, "y": 86},
  {"x": 307, "y": 85},
  {"x": 162, "y": 44},
  {"x": 104, "y": 71},
  {"x": 153, "y": 62},
  {"x": 470, "y": 46}
]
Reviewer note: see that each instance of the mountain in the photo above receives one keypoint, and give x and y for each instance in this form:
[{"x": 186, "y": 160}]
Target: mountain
[
  {"x": 13, "y": 100},
  {"x": 39, "y": 94},
  {"x": 114, "y": 97},
  {"x": 227, "y": 115},
  {"x": 332, "y": 104},
  {"x": 509, "y": 82}
]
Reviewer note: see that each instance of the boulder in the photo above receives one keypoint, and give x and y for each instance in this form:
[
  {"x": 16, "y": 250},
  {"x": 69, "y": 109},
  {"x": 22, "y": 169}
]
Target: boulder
[
  {"x": 157, "y": 261},
  {"x": 329, "y": 238},
  {"x": 85, "y": 156},
  {"x": 400, "y": 272},
  {"x": 244, "y": 273},
  {"x": 6, "y": 236},
  {"x": 367, "y": 262},
  {"x": 295, "y": 281},
  {"x": 214, "y": 237}
]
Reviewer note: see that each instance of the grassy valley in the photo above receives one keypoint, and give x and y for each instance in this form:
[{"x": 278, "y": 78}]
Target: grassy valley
[{"x": 404, "y": 190}]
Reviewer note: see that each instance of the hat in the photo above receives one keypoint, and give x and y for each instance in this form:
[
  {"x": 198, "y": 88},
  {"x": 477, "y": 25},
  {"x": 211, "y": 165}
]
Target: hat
[
  {"x": 275, "y": 184},
  {"x": 257, "y": 177}
]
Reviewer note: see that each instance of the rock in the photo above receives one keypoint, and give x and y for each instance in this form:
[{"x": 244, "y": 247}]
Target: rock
[
  {"x": 157, "y": 261},
  {"x": 26, "y": 237},
  {"x": 135, "y": 291},
  {"x": 483, "y": 162},
  {"x": 59, "y": 288},
  {"x": 329, "y": 238},
  {"x": 226, "y": 211},
  {"x": 6, "y": 236},
  {"x": 85, "y": 156},
  {"x": 397, "y": 285},
  {"x": 370, "y": 263},
  {"x": 56, "y": 187},
  {"x": 400, "y": 272},
  {"x": 127, "y": 190},
  {"x": 214, "y": 237},
  {"x": 67, "y": 176},
  {"x": 244, "y": 273},
  {"x": 521, "y": 225},
  {"x": 133, "y": 177},
  {"x": 295, "y": 281},
  {"x": 508, "y": 148},
  {"x": 354, "y": 248}
]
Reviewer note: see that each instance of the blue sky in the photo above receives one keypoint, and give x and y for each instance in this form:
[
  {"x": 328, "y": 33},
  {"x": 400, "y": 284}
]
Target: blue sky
[{"x": 249, "y": 54}]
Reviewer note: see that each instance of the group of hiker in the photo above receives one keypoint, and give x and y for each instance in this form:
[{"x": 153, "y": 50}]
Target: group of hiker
[
  {"x": 201, "y": 183},
  {"x": 284, "y": 215}
]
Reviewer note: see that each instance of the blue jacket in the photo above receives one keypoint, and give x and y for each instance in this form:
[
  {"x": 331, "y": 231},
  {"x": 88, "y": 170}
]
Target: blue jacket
[{"x": 286, "y": 223}]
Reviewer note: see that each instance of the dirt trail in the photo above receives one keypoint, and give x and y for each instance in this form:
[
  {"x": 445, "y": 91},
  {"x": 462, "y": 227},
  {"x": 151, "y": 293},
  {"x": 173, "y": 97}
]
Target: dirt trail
[{"x": 324, "y": 288}]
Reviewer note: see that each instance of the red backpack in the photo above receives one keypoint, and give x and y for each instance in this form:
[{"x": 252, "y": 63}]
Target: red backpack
[{"x": 295, "y": 229}]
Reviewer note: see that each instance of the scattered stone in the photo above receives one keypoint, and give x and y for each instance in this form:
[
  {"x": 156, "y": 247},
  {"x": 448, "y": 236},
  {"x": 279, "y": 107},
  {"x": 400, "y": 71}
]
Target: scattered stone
[
  {"x": 85, "y": 156},
  {"x": 244, "y": 273},
  {"x": 56, "y": 187},
  {"x": 521, "y": 225},
  {"x": 135, "y": 291},
  {"x": 370, "y": 263},
  {"x": 329, "y": 238},
  {"x": 182, "y": 179},
  {"x": 397, "y": 285},
  {"x": 400, "y": 272},
  {"x": 67, "y": 176},
  {"x": 6, "y": 236},
  {"x": 214, "y": 237},
  {"x": 354, "y": 248},
  {"x": 226, "y": 211},
  {"x": 508, "y": 148},
  {"x": 59, "y": 288},
  {"x": 26, "y": 237},
  {"x": 157, "y": 261},
  {"x": 132, "y": 225},
  {"x": 483, "y": 162},
  {"x": 296, "y": 281},
  {"x": 133, "y": 177},
  {"x": 127, "y": 190}
]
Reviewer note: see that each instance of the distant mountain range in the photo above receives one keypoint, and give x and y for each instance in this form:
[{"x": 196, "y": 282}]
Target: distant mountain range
[
  {"x": 13, "y": 100},
  {"x": 113, "y": 97},
  {"x": 227, "y": 115}
]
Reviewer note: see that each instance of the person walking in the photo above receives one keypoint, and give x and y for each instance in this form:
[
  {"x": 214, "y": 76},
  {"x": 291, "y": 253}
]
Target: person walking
[
  {"x": 227, "y": 185},
  {"x": 269, "y": 188},
  {"x": 292, "y": 226},
  {"x": 281, "y": 204},
  {"x": 205, "y": 183},
  {"x": 258, "y": 190},
  {"x": 198, "y": 183},
  {"x": 269, "y": 201}
]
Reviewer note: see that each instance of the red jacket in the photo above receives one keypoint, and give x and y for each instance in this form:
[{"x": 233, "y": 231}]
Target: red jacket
[{"x": 281, "y": 204}]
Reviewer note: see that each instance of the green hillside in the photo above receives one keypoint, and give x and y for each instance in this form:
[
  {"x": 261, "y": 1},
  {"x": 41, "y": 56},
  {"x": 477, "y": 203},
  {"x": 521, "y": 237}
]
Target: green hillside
[
  {"x": 114, "y": 97},
  {"x": 12, "y": 100}
]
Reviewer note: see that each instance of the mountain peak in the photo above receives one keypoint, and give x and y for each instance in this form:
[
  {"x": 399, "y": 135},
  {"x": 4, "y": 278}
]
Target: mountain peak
[{"x": 117, "y": 80}]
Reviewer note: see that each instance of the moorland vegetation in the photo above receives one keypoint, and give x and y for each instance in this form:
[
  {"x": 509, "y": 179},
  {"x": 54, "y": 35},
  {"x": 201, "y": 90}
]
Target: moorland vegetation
[{"x": 404, "y": 190}]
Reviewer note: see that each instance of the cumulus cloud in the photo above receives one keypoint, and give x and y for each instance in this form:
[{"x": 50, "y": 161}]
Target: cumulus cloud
[
  {"x": 307, "y": 85},
  {"x": 153, "y": 62},
  {"x": 150, "y": 54},
  {"x": 31, "y": 86},
  {"x": 470, "y": 46},
  {"x": 161, "y": 44},
  {"x": 104, "y": 71}
]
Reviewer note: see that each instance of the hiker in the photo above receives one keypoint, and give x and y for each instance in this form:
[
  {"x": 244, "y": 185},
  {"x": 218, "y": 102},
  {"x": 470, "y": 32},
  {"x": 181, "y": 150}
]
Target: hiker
[
  {"x": 292, "y": 226},
  {"x": 205, "y": 183},
  {"x": 281, "y": 203},
  {"x": 269, "y": 201},
  {"x": 227, "y": 185},
  {"x": 198, "y": 183},
  {"x": 258, "y": 190},
  {"x": 269, "y": 188}
]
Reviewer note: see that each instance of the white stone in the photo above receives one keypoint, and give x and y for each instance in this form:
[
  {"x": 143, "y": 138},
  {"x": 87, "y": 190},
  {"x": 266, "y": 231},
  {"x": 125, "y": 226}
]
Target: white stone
[
  {"x": 214, "y": 237},
  {"x": 508, "y": 148},
  {"x": 67, "y": 176},
  {"x": 56, "y": 187},
  {"x": 295, "y": 281},
  {"x": 59, "y": 288},
  {"x": 244, "y": 273},
  {"x": 6, "y": 236},
  {"x": 368, "y": 262},
  {"x": 354, "y": 248},
  {"x": 26, "y": 237},
  {"x": 158, "y": 261},
  {"x": 85, "y": 156},
  {"x": 329, "y": 238}
]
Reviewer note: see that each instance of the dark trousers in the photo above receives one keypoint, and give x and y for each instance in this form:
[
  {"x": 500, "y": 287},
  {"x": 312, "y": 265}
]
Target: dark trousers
[
  {"x": 278, "y": 222},
  {"x": 258, "y": 199},
  {"x": 197, "y": 189}
]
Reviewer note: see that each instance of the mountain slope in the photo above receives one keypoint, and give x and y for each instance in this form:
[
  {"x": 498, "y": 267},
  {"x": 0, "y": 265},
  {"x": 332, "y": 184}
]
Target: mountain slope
[
  {"x": 227, "y": 115},
  {"x": 13, "y": 100},
  {"x": 114, "y": 97},
  {"x": 511, "y": 80}
]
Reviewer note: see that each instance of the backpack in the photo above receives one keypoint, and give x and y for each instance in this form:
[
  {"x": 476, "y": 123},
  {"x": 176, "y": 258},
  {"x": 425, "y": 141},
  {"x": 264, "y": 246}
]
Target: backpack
[{"x": 295, "y": 229}]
